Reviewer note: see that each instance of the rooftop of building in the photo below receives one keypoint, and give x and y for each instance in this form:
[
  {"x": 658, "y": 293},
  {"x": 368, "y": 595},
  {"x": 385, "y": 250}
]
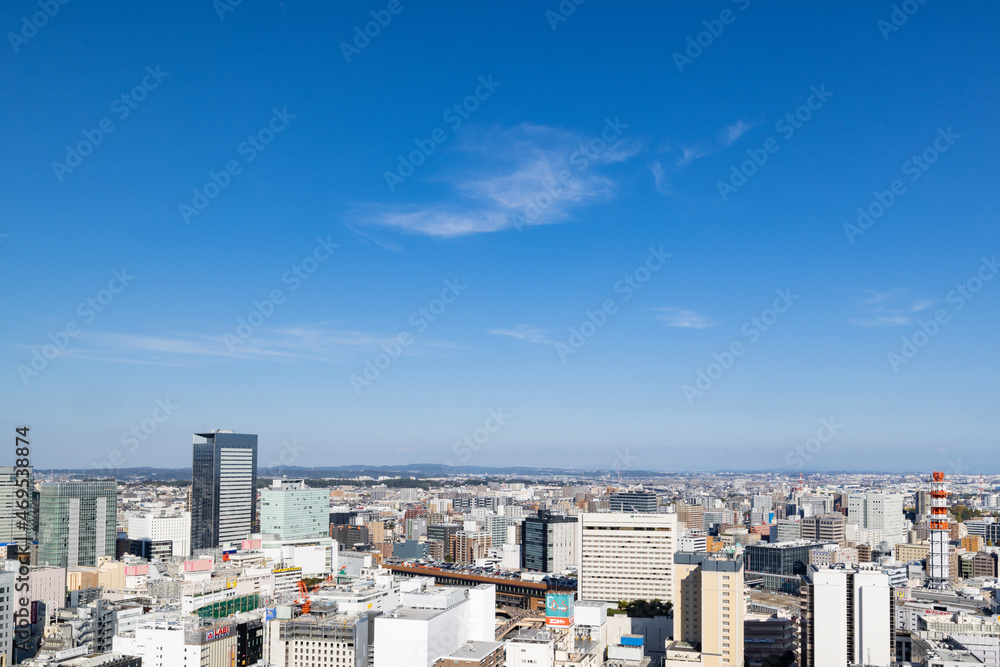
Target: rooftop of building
[
  {"x": 792, "y": 544},
  {"x": 714, "y": 562},
  {"x": 473, "y": 650},
  {"x": 533, "y": 635}
]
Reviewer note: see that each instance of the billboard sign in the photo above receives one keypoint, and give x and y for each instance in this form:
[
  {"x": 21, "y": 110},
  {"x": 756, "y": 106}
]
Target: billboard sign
[{"x": 559, "y": 609}]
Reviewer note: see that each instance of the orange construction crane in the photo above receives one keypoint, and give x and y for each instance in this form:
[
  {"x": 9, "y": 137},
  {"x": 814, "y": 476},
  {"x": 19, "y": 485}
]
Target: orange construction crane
[{"x": 304, "y": 590}]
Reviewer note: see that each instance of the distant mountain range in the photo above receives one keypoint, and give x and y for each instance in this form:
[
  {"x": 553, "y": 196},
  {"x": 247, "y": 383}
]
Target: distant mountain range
[{"x": 416, "y": 470}]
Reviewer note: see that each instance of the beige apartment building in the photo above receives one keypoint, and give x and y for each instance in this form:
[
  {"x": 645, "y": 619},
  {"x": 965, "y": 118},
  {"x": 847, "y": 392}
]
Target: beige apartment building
[{"x": 708, "y": 617}]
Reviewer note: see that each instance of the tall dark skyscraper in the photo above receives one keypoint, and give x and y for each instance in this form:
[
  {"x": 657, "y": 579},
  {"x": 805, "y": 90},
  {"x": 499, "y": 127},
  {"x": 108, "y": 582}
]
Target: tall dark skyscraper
[{"x": 223, "y": 488}]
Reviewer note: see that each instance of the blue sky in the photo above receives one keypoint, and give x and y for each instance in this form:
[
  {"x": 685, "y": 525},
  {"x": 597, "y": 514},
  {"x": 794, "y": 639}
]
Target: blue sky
[{"x": 557, "y": 161}]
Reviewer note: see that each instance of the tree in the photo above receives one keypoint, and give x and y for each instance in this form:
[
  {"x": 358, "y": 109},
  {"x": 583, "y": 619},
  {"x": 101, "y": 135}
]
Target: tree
[{"x": 645, "y": 608}]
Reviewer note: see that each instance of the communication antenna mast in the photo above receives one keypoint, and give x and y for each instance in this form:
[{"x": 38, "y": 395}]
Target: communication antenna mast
[{"x": 938, "y": 565}]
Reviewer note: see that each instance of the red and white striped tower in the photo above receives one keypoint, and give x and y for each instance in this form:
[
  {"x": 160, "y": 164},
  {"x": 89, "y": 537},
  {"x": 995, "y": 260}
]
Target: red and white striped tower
[{"x": 937, "y": 560}]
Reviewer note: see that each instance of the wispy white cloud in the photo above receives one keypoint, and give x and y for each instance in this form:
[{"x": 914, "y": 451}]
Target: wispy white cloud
[
  {"x": 725, "y": 138},
  {"x": 682, "y": 318},
  {"x": 660, "y": 178},
  {"x": 889, "y": 309},
  {"x": 288, "y": 345},
  {"x": 689, "y": 153},
  {"x": 521, "y": 176},
  {"x": 524, "y": 332},
  {"x": 735, "y": 131},
  {"x": 382, "y": 244}
]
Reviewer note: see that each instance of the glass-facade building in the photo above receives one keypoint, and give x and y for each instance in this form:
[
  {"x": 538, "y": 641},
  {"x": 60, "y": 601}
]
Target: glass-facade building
[
  {"x": 12, "y": 527},
  {"x": 223, "y": 488},
  {"x": 292, "y": 511},
  {"x": 632, "y": 502},
  {"x": 77, "y": 523},
  {"x": 548, "y": 542},
  {"x": 783, "y": 558}
]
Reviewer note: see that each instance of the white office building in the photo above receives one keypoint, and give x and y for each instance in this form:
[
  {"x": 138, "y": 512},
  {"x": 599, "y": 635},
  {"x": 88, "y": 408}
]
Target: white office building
[
  {"x": 879, "y": 511},
  {"x": 626, "y": 556},
  {"x": 168, "y": 641},
  {"x": 847, "y": 618},
  {"x": 434, "y": 623},
  {"x": 692, "y": 543},
  {"x": 163, "y": 524},
  {"x": 530, "y": 648}
]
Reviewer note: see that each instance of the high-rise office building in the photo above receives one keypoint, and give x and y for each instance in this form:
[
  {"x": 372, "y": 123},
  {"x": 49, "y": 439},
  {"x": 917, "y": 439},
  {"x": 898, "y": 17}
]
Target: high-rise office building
[
  {"x": 549, "y": 542},
  {"x": 825, "y": 528},
  {"x": 12, "y": 528},
  {"x": 442, "y": 532},
  {"x": 633, "y": 501},
  {"x": 788, "y": 530},
  {"x": 291, "y": 510},
  {"x": 761, "y": 503},
  {"x": 710, "y": 607},
  {"x": 627, "y": 556},
  {"x": 77, "y": 522},
  {"x": 693, "y": 516},
  {"x": 223, "y": 488},
  {"x": 496, "y": 525},
  {"x": 923, "y": 502},
  {"x": 846, "y": 618},
  {"x": 880, "y": 511}
]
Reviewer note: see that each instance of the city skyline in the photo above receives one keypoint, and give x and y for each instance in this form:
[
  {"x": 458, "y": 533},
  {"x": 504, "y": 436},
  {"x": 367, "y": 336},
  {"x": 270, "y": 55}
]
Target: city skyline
[{"x": 742, "y": 238}]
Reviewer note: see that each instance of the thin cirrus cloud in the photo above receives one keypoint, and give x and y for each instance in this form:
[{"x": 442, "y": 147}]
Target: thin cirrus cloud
[
  {"x": 682, "y": 318},
  {"x": 692, "y": 152},
  {"x": 288, "y": 345},
  {"x": 889, "y": 309},
  {"x": 510, "y": 178},
  {"x": 524, "y": 332},
  {"x": 726, "y": 138}
]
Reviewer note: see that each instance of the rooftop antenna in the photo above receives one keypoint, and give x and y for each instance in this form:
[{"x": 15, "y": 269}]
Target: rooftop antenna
[{"x": 937, "y": 560}]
